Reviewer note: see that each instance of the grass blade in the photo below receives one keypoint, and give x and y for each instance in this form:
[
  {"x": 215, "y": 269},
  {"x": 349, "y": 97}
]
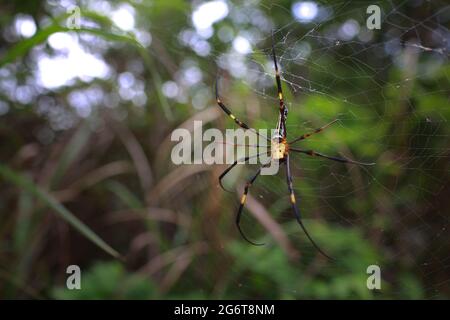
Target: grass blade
[{"x": 25, "y": 183}]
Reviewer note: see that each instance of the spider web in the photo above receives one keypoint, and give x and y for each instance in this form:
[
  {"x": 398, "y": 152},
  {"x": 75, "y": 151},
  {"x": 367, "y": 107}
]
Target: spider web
[
  {"x": 388, "y": 88},
  {"x": 388, "y": 80}
]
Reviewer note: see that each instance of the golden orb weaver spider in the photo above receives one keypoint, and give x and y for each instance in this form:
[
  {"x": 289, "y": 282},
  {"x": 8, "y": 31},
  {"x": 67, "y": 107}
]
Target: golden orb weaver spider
[{"x": 280, "y": 149}]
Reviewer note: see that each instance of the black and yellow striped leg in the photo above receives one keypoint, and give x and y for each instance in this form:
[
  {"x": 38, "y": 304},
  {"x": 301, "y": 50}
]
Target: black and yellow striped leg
[
  {"x": 241, "y": 207},
  {"x": 233, "y": 165},
  {"x": 283, "y": 110},
  {"x": 307, "y": 135},
  {"x": 277, "y": 78},
  {"x": 295, "y": 208},
  {"x": 313, "y": 153},
  {"x": 231, "y": 115}
]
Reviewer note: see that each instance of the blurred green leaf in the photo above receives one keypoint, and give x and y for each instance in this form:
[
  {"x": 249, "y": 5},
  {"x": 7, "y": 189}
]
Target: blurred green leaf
[
  {"x": 109, "y": 280},
  {"x": 124, "y": 194},
  {"x": 25, "y": 183}
]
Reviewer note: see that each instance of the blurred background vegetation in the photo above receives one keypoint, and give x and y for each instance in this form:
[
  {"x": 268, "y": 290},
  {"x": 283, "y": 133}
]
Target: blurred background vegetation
[{"x": 86, "y": 115}]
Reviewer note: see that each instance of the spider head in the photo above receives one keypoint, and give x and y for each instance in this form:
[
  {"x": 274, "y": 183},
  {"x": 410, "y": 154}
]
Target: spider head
[{"x": 277, "y": 137}]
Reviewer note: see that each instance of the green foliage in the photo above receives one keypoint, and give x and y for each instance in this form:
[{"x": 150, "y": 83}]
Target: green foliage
[
  {"x": 109, "y": 280},
  {"x": 344, "y": 278}
]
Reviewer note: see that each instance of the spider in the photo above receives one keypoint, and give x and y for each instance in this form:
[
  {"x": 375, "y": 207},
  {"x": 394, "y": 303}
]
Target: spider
[{"x": 280, "y": 149}]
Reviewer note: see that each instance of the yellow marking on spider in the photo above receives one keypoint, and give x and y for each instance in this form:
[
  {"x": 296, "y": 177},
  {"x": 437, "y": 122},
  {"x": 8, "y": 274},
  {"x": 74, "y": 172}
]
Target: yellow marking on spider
[
  {"x": 244, "y": 197},
  {"x": 292, "y": 198},
  {"x": 280, "y": 95},
  {"x": 279, "y": 149},
  {"x": 232, "y": 117}
]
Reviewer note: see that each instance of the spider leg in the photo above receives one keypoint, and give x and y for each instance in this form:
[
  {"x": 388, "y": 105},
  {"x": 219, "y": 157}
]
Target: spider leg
[
  {"x": 344, "y": 160},
  {"x": 241, "y": 207},
  {"x": 307, "y": 135},
  {"x": 295, "y": 208},
  {"x": 223, "y": 174},
  {"x": 283, "y": 110},
  {"x": 277, "y": 76},
  {"x": 232, "y": 116}
]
